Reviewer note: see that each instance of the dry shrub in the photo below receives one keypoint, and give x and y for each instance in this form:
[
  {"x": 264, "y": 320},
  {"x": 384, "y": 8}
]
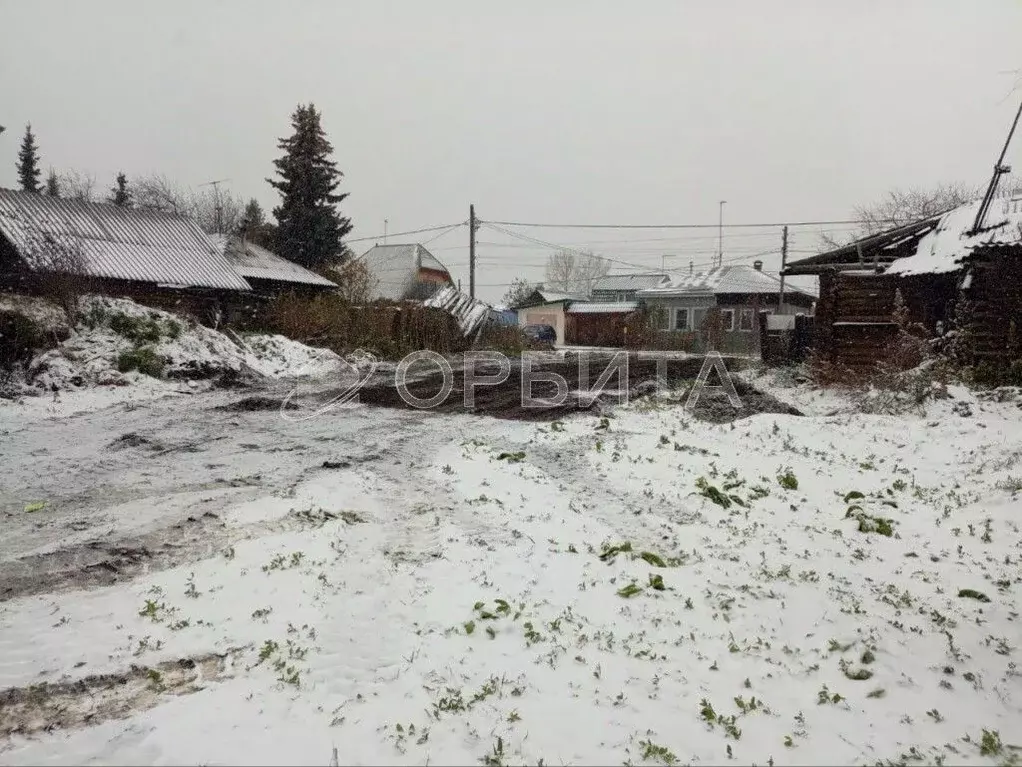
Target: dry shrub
[
  {"x": 356, "y": 284},
  {"x": 388, "y": 329},
  {"x": 58, "y": 271},
  {"x": 506, "y": 339}
]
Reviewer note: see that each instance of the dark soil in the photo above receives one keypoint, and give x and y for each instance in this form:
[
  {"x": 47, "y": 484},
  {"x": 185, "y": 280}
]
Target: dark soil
[{"x": 505, "y": 400}]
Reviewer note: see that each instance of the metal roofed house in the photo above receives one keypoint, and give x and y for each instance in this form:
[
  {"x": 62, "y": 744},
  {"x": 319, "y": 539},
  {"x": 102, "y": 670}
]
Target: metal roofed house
[
  {"x": 623, "y": 287},
  {"x": 118, "y": 249},
  {"x": 719, "y": 308},
  {"x": 947, "y": 274},
  {"x": 405, "y": 272},
  {"x": 268, "y": 273}
]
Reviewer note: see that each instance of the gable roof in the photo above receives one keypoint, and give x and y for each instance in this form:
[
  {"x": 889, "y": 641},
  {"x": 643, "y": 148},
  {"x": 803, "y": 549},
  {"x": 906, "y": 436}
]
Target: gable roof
[
  {"x": 255, "y": 262},
  {"x": 933, "y": 245},
  {"x": 638, "y": 281},
  {"x": 117, "y": 243},
  {"x": 396, "y": 267},
  {"x": 734, "y": 278},
  {"x": 541, "y": 295}
]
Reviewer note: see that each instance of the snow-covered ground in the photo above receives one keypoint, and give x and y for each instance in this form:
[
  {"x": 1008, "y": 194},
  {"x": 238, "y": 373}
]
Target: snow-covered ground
[{"x": 379, "y": 586}]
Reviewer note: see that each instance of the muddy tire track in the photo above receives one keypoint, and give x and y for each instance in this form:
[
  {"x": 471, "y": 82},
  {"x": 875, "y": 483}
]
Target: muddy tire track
[{"x": 98, "y": 698}]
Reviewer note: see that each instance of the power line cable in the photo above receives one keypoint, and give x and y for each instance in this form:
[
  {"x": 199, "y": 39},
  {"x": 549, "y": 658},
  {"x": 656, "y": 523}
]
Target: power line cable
[
  {"x": 402, "y": 234},
  {"x": 774, "y": 224}
]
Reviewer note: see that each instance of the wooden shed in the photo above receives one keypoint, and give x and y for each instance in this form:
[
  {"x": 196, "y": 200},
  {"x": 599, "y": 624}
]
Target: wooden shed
[{"x": 949, "y": 275}]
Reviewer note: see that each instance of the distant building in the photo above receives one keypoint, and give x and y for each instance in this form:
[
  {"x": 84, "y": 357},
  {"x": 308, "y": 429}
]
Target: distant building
[
  {"x": 719, "y": 309},
  {"x": 547, "y": 307},
  {"x": 405, "y": 272},
  {"x": 623, "y": 287}
]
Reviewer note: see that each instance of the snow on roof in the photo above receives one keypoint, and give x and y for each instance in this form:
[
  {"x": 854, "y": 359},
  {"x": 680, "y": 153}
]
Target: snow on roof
[
  {"x": 471, "y": 313},
  {"x": 609, "y": 307},
  {"x": 258, "y": 263},
  {"x": 118, "y": 243},
  {"x": 629, "y": 281},
  {"x": 396, "y": 267},
  {"x": 734, "y": 278},
  {"x": 945, "y": 247}
]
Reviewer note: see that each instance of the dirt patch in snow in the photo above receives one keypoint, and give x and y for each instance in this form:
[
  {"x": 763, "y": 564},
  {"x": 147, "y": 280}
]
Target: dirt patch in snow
[
  {"x": 101, "y": 697},
  {"x": 104, "y": 563},
  {"x": 504, "y": 400},
  {"x": 256, "y": 403}
]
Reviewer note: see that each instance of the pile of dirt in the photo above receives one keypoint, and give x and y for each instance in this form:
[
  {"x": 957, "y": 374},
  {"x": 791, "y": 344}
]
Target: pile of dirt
[{"x": 505, "y": 400}]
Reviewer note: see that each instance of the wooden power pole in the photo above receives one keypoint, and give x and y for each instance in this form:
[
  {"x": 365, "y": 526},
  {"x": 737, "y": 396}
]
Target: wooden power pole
[
  {"x": 784, "y": 263},
  {"x": 472, "y": 251}
]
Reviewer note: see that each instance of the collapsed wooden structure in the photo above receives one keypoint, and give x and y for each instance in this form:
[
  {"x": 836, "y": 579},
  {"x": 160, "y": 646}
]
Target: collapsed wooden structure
[{"x": 943, "y": 273}]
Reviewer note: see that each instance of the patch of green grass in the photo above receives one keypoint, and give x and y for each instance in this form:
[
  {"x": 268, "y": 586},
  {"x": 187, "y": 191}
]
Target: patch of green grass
[
  {"x": 138, "y": 330},
  {"x": 144, "y": 359},
  {"x": 31, "y": 508},
  {"x": 629, "y": 591},
  {"x": 973, "y": 594},
  {"x": 653, "y": 559},
  {"x": 654, "y": 752},
  {"x": 610, "y": 551},
  {"x": 990, "y": 744},
  {"x": 787, "y": 479},
  {"x": 516, "y": 457},
  {"x": 656, "y": 582}
]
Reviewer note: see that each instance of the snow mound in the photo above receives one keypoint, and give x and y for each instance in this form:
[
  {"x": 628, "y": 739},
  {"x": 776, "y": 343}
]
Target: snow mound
[{"x": 100, "y": 351}]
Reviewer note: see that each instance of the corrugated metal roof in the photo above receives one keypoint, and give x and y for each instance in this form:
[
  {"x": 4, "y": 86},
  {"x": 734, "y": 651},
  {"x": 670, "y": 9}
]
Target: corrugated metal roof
[
  {"x": 258, "y": 263},
  {"x": 396, "y": 268},
  {"x": 734, "y": 278},
  {"x": 610, "y": 307},
  {"x": 471, "y": 313},
  {"x": 629, "y": 281},
  {"x": 118, "y": 243}
]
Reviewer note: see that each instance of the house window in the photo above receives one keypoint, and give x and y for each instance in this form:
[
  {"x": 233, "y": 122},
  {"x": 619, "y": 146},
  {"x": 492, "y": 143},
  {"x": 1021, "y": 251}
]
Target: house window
[
  {"x": 727, "y": 320},
  {"x": 681, "y": 319},
  {"x": 745, "y": 320}
]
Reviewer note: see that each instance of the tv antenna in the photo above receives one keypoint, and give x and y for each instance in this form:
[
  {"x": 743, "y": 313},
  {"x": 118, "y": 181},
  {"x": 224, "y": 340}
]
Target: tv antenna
[{"x": 217, "y": 205}]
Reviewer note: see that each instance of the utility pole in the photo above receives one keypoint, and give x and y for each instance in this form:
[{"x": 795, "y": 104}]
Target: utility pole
[
  {"x": 472, "y": 251},
  {"x": 720, "y": 235},
  {"x": 784, "y": 263},
  {"x": 385, "y": 222},
  {"x": 999, "y": 170}
]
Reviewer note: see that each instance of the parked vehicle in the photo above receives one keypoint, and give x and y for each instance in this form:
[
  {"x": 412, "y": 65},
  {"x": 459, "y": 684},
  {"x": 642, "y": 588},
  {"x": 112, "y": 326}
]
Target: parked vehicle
[{"x": 544, "y": 333}]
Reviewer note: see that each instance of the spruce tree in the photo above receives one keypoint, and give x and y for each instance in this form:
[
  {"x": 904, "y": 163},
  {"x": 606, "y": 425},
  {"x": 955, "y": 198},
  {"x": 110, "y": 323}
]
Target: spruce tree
[
  {"x": 120, "y": 195},
  {"x": 310, "y": 230},
  {"x": 28, "y": 162},
  {"x": 52, "y": 184},
  {"x": 252, "y": 217}
]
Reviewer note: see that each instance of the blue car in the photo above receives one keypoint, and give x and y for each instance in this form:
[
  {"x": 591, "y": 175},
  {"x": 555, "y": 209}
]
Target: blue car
[{"x": 543, "y": 333}]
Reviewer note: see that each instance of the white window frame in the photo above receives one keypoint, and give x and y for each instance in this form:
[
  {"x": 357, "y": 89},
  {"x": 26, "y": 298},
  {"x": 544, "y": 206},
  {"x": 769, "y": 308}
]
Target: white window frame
[
  {"x": 752, "y": 321},
  {"x": 730, "y": 326},
  {"x": 688, "y": 319}
]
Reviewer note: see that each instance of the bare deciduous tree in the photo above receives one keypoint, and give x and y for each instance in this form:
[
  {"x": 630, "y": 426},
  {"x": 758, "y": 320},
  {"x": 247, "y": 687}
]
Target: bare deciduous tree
[
  {"x": 356, "y": 284},
  {"x": 59, "y": 269},
  {"x": 76, "y": 185},
  {"x": 216, "y": 211},
  {"x": 575, "y": 271},
  {"x": 902, "y": 206}
]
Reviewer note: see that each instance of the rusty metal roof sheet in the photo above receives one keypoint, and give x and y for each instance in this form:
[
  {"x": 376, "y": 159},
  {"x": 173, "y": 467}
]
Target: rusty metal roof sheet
[
  {"x": 117, "y": 243},
  {"x": 258, "y": 263}
]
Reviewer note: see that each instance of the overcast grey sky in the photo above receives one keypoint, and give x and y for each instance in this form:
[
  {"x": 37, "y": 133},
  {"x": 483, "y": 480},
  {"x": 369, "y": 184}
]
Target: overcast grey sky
[{"x": 587, "y": 111}]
